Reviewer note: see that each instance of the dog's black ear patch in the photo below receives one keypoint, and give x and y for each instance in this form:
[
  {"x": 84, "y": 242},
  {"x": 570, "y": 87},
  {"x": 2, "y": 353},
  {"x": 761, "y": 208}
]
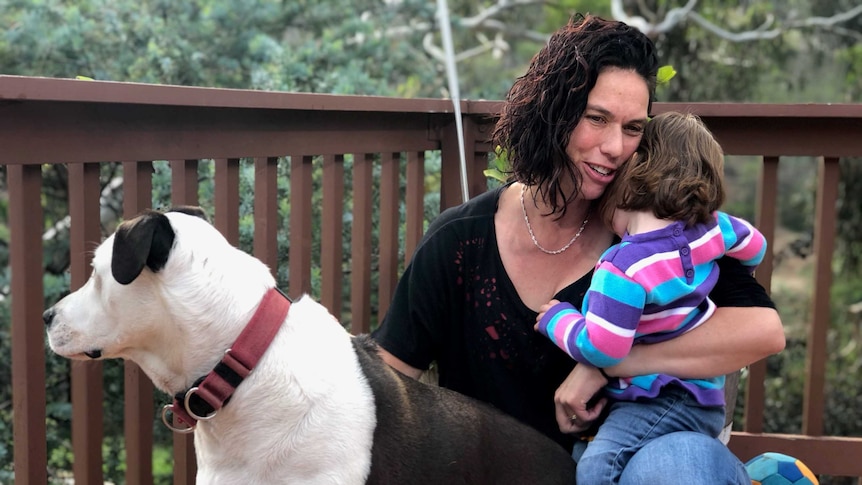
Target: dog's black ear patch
[
  {"x": 191, "y": 210},
  {"x": 143, "y": 241}
]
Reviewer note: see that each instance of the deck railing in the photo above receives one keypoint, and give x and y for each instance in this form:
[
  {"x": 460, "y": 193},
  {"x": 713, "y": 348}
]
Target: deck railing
[{"x": 85, "y": 124}]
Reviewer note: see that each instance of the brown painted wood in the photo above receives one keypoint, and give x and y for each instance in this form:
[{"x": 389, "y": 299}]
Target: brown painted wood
[
  {"x": 184, "y": 191},
  {"x": 331, "y": 226},
  {"x": 184, "y": 182},
  {"x": 104, "y": 132},
  {"x": 266, "y": 222},
  {"x": 813, "y": 406},
  {"x": 361, "y": 246},
  {"x": 138, "y": 415},
  {"x": 226, "y": 196},
  {"x": 767, "y": 195},
  {"x": 833, "y": 455},
  {"x": 28, "y": 338},
  {"x": 301, "y": 191},
  {"x": 108, "y": 92},
  {"x": 389, "y": 262},
  {"x": 415, "y": 202},
  {"x": 87, "y": 389}
]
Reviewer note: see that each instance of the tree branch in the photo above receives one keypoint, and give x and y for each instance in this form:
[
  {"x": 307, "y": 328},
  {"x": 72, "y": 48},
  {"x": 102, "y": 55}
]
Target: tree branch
[
  {"x": 485, "y": 21},
  {"x": 496, "y": 9},
  {"x": 676, "y": 16},
  {"x": 828, "y": 21},
  {"x": 758, "y": 34},
  {"x": 651, "y": 24},
  {"x": 673, "y": 18}
]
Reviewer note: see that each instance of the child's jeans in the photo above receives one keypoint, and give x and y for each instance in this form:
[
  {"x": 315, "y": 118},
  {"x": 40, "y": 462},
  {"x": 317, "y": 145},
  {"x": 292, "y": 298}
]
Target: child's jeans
[{"x": 631, "y": 425}]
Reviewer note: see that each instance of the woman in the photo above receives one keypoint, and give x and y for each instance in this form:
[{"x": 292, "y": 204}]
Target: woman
[{"x": 469, "y": 298}]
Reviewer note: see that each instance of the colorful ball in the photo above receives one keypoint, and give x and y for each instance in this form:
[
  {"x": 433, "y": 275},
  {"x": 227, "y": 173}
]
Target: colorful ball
[{"x": 779, "y": 469}]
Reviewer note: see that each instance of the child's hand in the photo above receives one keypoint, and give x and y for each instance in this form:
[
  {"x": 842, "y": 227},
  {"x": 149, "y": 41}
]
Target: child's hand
[{"x": 542, "y": 310}]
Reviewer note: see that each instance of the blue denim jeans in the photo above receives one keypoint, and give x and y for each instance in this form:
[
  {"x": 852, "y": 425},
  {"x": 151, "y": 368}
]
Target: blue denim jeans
[{"x": 621, "y": 452}]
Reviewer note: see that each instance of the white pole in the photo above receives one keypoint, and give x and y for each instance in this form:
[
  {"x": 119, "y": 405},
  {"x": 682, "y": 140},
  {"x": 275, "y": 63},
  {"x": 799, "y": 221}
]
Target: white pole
[{"x": 452, "y": 74}]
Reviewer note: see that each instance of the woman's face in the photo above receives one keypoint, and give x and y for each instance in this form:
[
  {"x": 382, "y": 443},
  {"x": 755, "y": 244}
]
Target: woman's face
[{"x": 610, "y": 129}]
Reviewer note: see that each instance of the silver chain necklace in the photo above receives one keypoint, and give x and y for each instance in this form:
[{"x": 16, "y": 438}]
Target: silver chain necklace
[{"x": 533, "y": 236}]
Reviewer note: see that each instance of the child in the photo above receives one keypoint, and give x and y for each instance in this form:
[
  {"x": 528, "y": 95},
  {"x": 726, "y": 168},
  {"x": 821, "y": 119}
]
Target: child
[{"x": 653, "y": 286}]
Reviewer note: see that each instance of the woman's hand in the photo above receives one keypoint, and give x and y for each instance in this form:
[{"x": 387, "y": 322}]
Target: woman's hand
[{"x": 574, "y": 395}]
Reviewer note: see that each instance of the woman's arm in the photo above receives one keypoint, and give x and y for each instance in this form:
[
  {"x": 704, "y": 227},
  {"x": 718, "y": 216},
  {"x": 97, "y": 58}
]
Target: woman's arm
[
  {"x": 732, "y": 338},
  {"x": 399, "y": 364},
  {"x": 744, "y": 329}
]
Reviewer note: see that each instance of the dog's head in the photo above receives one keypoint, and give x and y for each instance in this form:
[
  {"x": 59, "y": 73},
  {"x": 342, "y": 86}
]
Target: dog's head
[{"x": 167, "y": 290}]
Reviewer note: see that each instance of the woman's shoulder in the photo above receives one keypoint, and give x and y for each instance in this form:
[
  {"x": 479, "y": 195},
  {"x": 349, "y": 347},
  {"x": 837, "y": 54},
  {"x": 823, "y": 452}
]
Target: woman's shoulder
[
  {"x": 481, "y": 205},
  {"x": 478, "y": 210}
]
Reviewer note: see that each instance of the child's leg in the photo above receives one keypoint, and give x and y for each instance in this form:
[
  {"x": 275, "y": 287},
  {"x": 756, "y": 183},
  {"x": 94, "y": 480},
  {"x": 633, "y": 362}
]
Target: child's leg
[
  {"x": 631, "y": 425},
  {"x": 685, "y": 457}
]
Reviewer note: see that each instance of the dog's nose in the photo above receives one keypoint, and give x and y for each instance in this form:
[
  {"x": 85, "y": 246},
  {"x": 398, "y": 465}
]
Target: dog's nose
[{"x": 48, "y": 316}]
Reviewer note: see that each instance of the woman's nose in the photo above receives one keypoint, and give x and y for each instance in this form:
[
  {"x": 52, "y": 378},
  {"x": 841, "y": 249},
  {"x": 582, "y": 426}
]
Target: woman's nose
[{"x": 612, "y": 145}]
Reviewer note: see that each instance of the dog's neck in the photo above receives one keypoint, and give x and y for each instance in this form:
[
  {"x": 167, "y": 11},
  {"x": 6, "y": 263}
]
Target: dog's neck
[
  {"x": 206, "y": 318},
  {"x": 210, "y": 393},
  {"x": 177, "y": 357}
]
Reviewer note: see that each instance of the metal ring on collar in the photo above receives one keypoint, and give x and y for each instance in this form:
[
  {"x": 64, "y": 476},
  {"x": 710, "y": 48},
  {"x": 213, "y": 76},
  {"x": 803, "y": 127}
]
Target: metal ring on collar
[
  {"x": 189, "y": 394},
  {"x": 169, "y": 423}
]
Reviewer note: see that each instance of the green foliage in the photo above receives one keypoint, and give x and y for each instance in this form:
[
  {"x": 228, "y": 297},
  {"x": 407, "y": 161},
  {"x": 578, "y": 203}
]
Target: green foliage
[
  {"x": 852, "y": 56},
  {"x": 665, "y": 74},
  {"x": 499, "y": 166},
  {"x": 849, "y": 218},
  {"x": 558, "y": 13}
]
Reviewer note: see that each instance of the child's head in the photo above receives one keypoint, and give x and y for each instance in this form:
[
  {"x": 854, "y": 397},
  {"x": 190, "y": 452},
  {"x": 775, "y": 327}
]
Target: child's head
[{"x": 676, "y": 172}]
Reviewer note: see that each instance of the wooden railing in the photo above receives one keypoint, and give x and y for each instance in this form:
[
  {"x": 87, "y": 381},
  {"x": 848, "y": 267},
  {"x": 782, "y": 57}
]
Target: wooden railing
[{"x": 85, "y": 124}]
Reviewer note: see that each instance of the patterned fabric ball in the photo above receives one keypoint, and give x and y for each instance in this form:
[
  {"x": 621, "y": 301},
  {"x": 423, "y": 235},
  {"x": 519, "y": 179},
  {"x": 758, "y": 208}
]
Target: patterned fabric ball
[{"x": 779, "y": 469}]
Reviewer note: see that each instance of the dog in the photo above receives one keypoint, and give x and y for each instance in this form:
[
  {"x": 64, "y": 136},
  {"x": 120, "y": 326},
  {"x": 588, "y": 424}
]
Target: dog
[{"x": 294, "y": 399}]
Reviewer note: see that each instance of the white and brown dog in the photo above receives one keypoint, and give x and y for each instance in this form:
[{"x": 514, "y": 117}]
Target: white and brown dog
[{"x": 278, "y": 392}]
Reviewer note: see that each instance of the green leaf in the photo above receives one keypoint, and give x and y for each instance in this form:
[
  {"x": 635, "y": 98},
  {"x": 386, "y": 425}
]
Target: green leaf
[
  {"x": 665, "y": 74},
  {"x": 84, "y": 78},
  {"x": 496, "y": 174}
]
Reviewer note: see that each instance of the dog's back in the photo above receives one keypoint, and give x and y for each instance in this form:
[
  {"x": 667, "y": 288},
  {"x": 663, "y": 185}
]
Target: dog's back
[{"x": 431, "y": 435}]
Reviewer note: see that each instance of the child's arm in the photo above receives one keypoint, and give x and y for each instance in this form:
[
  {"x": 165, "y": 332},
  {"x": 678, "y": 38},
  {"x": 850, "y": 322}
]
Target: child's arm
[
  {"x": 742, "y": 240},
  {"x": 604, "y": 335}
]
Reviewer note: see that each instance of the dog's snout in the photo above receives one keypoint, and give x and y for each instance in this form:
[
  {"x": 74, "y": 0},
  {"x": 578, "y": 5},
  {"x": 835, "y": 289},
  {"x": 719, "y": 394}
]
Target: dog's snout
[{"x": 48, "y": 316}]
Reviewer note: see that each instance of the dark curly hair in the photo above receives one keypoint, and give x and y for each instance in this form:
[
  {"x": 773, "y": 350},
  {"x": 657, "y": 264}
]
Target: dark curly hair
[
  {"x": 547, "y": 102},
  {"x": 677, "y": 172}
]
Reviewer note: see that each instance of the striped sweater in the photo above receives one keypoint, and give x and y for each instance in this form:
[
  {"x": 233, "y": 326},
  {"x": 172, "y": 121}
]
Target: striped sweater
[{"x": 649, "y": 288}]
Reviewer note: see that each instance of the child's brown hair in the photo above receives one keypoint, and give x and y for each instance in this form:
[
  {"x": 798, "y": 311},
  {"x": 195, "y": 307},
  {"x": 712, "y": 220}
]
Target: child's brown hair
[{"x": 677, "y": 172}]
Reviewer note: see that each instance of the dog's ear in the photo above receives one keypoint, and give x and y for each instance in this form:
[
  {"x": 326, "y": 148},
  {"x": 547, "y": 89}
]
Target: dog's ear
[
  {"x": 191, "y": 210},
  {"x": 143, "y": 241}
]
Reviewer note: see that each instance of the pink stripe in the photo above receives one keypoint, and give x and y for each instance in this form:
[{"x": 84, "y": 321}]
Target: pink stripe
[
  {"x": 561, "y": 327},
  {"x": 750, "y": 250},
  {"x": 610, "y": 268},
  {"x": 665, "y": 324},
  {"x": 658, "y": 272},
  {"x": 708, "y": 251},
  {"x": 607, "y": 343}
]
